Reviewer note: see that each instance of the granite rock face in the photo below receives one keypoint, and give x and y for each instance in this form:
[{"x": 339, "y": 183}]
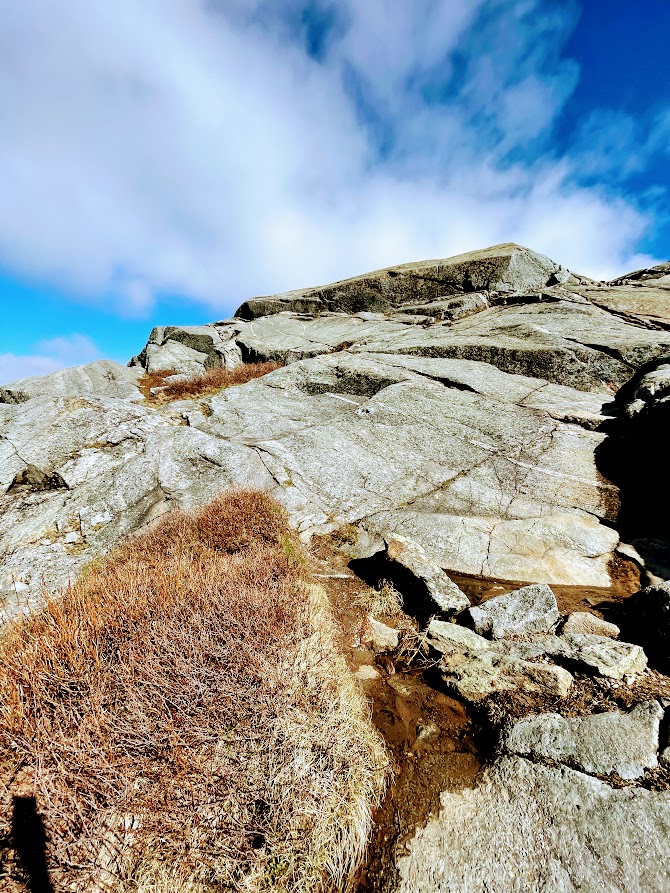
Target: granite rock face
[
  {"x": 490, "y": 414},
  {"x": 502, "y": 268},
  {"x": 531, "y": 827},
  {"x": 471, "y": 429},
  {"x": 102, "y": 378}
]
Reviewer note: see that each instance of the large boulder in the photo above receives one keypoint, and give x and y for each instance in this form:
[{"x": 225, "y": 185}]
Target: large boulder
[
  {"x": 189, "y": 350},
  {"x": 531, "y": 609},
  {"x": 621, "y": 743}
]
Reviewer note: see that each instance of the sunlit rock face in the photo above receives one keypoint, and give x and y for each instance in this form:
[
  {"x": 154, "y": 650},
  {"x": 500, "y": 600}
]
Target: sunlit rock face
[{"x": 463, "y": 404}]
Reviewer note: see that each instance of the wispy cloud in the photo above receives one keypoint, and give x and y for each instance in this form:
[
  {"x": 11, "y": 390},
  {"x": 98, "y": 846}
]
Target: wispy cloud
[
  {"x": 222, "y": 149},
  {"x": 49, "y": 356}
]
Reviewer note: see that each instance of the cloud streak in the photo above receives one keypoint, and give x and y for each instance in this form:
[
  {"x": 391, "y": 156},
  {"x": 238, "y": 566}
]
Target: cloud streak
[
  {"x": 50, "y": 355},
  {"x": 219, "y": 150}
]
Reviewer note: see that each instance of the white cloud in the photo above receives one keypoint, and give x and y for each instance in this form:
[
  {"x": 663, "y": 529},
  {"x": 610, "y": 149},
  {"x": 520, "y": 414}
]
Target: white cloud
[
  {"x": 50, "y": 355},
  {"x": 196, "y": 148}
]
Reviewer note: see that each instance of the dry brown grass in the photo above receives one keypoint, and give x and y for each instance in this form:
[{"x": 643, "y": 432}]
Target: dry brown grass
[
  {"x": 211, "y": 381},
  {"x": 184, "y": 718}
]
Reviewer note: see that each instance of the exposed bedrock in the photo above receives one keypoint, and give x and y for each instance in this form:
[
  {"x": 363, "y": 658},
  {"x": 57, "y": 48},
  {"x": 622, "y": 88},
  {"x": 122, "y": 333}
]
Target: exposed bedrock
[
  {"x": 491, "y": 415},
  {"x": 477, "y": 431}
]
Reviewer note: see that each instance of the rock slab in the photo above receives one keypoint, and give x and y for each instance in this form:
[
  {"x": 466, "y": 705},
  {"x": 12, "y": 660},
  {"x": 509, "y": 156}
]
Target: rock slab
[
  {"x": 623, "y": 743},
  {"x": 529, "y": 827}
]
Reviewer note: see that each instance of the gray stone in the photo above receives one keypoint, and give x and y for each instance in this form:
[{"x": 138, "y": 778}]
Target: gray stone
[
  {"x": 531, "y": 609},
  {"x": 288, "y": 337},
  {"x": 503, "y": 268},
  {"x": 476, "y": 675},
  {"x": 558, "y": 401},
  {"x": 441, "y": 589},
  {"x": 532, "y": 647},
  {"x": 606, "y": 656},
  {"x": 449, "y": 638},
  {"x": 102, "y": 378},
  {"x": 529, "y": 827},
  {"x": 584, "y": 622},
  {"x": 172, "y": 356},
  {"x": 575, "y": 345},
  {"x": 120, "y": 465},
  {"x": 381, "y": 636},
  {"x": 188, "y": 350},
  {"x": 623, "y": 743}
]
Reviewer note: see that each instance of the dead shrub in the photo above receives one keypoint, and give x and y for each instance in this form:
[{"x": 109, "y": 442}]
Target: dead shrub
[
  {"x": 184, "y": 720},
  {"x": 239, "y": 519},
  {"x": 209, "y": 382}
]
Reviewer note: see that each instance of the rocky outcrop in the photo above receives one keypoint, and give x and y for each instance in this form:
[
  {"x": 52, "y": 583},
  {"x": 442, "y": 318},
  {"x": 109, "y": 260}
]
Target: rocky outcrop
[
  {"x": 476, "y": 437},
  {"x": 490, "y": 415},
  {"x": 102, "y": 378},
  {"x": 502, "y": 268},
  {"x": 189, "y": 350}
]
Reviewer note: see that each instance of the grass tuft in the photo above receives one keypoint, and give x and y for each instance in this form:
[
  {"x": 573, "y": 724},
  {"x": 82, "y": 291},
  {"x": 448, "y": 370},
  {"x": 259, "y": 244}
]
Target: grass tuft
[
  {"x": 185, "y": 720},
  {"x": 209, "y": 382}
]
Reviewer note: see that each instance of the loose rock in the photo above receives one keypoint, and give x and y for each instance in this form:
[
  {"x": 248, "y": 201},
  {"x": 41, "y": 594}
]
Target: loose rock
[
  {"x": 583, "y": 622},
  {"x": 531, "y": 609},
  {"x": 441, "y": 589},
  {"x": 607, "y": 656}
]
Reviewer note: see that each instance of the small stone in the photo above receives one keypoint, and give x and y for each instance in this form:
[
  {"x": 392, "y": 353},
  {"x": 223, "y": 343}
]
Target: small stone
[
  {"x": 379, "y": 635},
  {"x": 584, "y": 622},
  {"x": 367, "y": 673},
  {"x": 71, "y": 537},
  {"x": 531, "y": 609}
]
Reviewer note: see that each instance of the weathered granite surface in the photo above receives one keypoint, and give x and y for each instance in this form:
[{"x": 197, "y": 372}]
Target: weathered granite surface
[
  {"x": 530, "y": 827},
  {"x": 490, "y": 414},
  {"x": 475, "y": 437}
]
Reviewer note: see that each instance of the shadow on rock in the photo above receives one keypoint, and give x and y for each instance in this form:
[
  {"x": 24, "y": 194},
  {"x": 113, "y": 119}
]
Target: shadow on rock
[{"x": 635, "y": 457}]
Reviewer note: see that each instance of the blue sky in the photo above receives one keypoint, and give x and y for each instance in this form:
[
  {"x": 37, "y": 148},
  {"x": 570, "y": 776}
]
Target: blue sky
[{"x": 163, "y": 160}]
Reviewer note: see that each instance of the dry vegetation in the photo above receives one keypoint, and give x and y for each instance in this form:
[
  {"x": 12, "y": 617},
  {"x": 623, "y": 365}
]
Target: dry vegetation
[
  {"x": 185, "y": 720},
  {"x": 211, "y": 381}
]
